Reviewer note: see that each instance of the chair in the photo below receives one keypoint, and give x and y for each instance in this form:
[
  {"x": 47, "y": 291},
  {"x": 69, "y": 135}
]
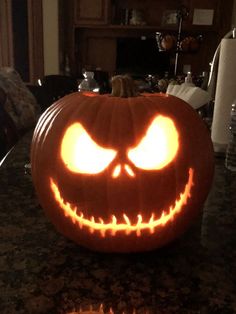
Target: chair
[
  {"x": 8, "y": 131},
  {"x": 19, "y": 103},
  {"x": 54, "y": 87}
]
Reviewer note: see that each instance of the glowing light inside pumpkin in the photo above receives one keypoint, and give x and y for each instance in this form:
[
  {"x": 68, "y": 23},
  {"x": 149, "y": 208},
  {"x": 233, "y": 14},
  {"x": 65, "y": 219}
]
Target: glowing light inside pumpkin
[
  {"x": 158, "y": 147},
  {"x": 129, "y": 170},
  {"x": 77, "y": 216},
  {"x": 118, "y": 169},
  {"x": 81, "y": 154}
]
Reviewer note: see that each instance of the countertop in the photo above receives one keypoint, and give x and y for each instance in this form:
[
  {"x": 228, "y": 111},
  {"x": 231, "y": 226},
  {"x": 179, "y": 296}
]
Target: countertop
[{"x": 43, "y": 272}]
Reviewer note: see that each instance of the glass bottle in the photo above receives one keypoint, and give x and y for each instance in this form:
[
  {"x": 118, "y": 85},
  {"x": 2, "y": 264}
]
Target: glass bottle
[
  {"x": 88, "y": 83},
  {"x": 230, "y": 159}
]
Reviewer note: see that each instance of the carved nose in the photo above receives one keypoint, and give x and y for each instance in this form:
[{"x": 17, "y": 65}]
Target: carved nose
[{"x": 122, "y": 169}]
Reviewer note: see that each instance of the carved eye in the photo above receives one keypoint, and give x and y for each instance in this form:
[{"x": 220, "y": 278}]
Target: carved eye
[
  {"x": 81, "y": 154},
  {"x": 158, "y": 147}
]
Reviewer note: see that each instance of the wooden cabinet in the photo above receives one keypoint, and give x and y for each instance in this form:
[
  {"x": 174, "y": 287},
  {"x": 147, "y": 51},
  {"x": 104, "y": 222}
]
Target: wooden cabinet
[
  {"x": 98, "y": 26},
  {"x": 89, "y": 12},
  {"x": 150, "y": 12}
]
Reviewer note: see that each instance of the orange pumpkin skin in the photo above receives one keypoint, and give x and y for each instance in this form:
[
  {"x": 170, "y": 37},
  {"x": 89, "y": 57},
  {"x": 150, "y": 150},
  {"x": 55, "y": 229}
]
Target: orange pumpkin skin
[{"x": 121, "y": 208}]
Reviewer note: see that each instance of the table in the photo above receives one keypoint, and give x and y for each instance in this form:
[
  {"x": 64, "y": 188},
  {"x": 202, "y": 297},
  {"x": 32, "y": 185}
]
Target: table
[{"x": 43, "y": 272}]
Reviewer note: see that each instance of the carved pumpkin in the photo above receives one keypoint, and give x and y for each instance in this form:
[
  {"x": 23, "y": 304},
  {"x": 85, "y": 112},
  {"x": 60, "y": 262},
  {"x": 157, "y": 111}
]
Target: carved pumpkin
[{"x": 121, "y": 174}]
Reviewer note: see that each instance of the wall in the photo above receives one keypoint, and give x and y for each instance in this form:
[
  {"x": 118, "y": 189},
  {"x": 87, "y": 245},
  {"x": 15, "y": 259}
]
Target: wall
[
  {"x": 50, "y": 37},
  {"x": 234, "y": 15}
]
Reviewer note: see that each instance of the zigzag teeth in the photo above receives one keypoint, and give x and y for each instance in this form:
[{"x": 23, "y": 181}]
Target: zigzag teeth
[
  {"x": 101, "y": 309},
  {"x": 92, "y": 220},
  {"x": 140, "y": 218},
  {"x": 126, "y": 218},
  {"x": 74, "y": 216},
  {"x": 139, "y": 226},
  {"x": 81, "y": 216},
  {"x": 138, "y": 232},
  {"x": 111, "y": 311},
  {"x": 101, "y": 221},
  {"x": 102, "y": 231},
  {"x": 151, "y": 220},
  {"x": 114, "y": 223},
  {"x": 114, "y": 220},
  {"x": 113, "y": 226},
  {"x": 90, "y": 309},
  {"x": 67, "y": 205},
  {"x": 127, "y": 222}
]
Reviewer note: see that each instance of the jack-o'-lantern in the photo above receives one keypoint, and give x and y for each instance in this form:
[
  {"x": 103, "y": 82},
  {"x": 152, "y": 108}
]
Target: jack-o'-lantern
[{"x": 121, "y": 174}]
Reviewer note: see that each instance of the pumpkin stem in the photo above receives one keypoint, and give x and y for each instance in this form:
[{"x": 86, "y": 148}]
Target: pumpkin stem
[{"x": 123, "y": 86}]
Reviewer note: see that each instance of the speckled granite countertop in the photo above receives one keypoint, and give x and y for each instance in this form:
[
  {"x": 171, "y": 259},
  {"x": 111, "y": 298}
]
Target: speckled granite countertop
[{"x": 42, "y": 272}]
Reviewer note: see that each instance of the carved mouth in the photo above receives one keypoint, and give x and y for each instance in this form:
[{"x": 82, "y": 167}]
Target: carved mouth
[{"x": 73, "y": 213}]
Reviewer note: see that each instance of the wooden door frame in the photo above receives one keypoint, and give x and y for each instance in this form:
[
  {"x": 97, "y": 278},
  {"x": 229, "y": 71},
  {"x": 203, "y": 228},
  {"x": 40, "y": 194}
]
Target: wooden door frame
[
  {"x": 6, "y": 40},
  {"x": 35, "y": 44}
]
